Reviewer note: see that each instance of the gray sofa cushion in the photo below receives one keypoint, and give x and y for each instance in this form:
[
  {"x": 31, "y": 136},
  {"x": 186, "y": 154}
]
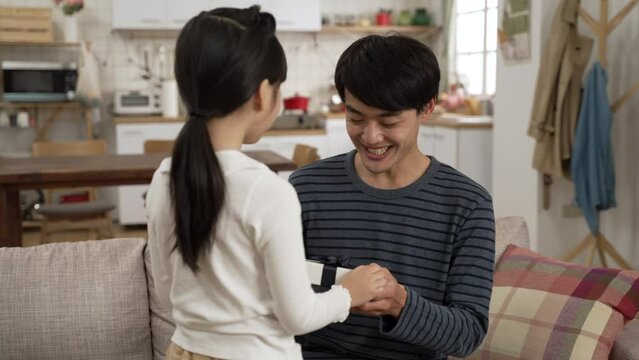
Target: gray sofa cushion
[
  {"x": 84, "y": 300},
  {"x": 626, "y": 346},
  {"x": 510, "y": 230},
  {"x": 162, "y": 324}
]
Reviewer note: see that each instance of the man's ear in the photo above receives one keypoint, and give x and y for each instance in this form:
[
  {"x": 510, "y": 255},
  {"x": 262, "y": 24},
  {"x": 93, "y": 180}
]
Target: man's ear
[
  {"x": 427, "y": 110},
  {"x": 430, "y": 106},
  {"x": 262, "y": 96}
]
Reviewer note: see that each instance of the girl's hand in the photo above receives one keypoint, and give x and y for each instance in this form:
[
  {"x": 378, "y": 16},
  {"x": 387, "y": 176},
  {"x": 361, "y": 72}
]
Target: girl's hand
[{"x": 364, "y": 283}]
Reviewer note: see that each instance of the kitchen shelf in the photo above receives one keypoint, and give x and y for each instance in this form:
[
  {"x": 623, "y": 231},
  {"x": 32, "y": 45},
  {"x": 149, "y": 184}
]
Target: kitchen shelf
[
  {"x": 56, "y": 107},
  {"x": 414, "y": 30},
  {"x": 145, "y": 119},
  {"x": 42, "y": 105},
  {"x": 43, "y": 44},
  {"x": 462, "y": 121},
  {"x": 295, "y": 132}
]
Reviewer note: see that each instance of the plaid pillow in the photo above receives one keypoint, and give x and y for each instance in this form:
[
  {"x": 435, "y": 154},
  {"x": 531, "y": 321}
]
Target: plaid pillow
[{"x": 543, "y": 308}]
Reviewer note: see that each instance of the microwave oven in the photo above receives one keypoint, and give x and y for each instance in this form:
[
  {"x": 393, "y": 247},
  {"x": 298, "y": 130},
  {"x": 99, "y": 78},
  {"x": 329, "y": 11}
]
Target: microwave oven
[
  {"x": 37, "y": 81},
  {"x": 142, "y": 102}
]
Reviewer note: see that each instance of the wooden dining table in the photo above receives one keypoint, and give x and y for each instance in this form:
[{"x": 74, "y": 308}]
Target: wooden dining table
[{"x": 72, "y": 171}]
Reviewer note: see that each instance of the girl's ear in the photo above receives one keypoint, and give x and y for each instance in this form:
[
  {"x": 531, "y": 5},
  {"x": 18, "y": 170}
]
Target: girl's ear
[{"x": 262, "y": 96}]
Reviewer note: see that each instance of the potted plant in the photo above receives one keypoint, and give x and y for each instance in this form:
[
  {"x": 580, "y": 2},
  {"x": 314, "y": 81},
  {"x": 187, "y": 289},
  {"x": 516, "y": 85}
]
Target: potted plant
[{"x": 70, "y": 22}]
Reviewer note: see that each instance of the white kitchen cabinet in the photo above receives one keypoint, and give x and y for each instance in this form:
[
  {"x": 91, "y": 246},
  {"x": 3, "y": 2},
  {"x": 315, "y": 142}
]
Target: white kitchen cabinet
[
  {"x": 138, "y": 14},
  {"x": 130, "y": 139},
  {"x": 466, "y": 147},
  {"x": 295, "y": 15},
  {"x": 290, "y": 15},
  {"x": 338, "y": 141},
  {"x": 285, "y": 144},
  {"x": 426, "y": 139},
  {"x": 179, "y": 12}
]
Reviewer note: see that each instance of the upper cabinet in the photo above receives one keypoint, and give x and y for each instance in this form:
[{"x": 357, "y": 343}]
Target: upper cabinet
[
  {"x": 295, "y": 15},
  {"x": 291, "y": 15},
  {"x": 139, "y": 14}
]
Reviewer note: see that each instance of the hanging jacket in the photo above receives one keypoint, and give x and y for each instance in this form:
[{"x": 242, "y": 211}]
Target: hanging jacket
[
  {"x": 593, "y": 169},
  {"x": 557, "y": 93}
]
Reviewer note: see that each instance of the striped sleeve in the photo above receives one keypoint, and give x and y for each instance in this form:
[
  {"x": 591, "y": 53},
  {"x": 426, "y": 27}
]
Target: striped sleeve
[{"x": 458, "y": 326}]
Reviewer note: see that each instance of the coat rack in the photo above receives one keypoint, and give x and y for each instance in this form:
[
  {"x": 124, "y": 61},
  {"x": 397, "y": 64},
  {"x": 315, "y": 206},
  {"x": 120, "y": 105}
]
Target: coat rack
[{"x": 603, "y": 28}]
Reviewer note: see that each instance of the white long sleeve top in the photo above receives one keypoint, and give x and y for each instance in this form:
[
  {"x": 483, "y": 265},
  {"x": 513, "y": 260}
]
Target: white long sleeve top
[{"x": 252, "y": 293}]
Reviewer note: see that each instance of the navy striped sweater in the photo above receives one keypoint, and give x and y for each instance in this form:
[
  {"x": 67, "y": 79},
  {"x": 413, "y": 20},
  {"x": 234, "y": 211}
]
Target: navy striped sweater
[{"x": 436, "y": 236}]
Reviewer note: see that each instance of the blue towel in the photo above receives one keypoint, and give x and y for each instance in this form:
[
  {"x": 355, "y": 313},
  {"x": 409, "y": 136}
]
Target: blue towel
[{"x": 593, "y": 170}]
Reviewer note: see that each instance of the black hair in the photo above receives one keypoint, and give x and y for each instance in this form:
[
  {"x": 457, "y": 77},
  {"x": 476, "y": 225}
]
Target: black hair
[
  {"x": 221, "y": 57},
  {"x": 393, "y": 72}
]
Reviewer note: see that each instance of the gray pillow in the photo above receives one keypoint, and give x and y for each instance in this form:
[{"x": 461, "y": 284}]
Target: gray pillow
[{"x": 82, "y": 300}]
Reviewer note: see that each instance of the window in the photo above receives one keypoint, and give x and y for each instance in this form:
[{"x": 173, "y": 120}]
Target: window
[{"x": 475, "y": 50}]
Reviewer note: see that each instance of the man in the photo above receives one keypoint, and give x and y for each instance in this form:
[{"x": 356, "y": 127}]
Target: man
[{"x": 430, "y": 226}]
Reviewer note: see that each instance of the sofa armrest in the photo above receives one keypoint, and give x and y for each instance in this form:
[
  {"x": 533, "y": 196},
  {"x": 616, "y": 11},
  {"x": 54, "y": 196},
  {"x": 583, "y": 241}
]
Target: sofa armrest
[
  {"x": 162, "y": 323},
  {"x": 510, "y": 230}
]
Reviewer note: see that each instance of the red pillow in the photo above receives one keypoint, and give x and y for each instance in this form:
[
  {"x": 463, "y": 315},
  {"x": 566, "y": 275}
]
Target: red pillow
[{"x": 542, "y": 308}]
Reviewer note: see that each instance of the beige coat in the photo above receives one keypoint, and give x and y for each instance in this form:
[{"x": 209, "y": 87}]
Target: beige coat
[{"x": 558, "y": 92}]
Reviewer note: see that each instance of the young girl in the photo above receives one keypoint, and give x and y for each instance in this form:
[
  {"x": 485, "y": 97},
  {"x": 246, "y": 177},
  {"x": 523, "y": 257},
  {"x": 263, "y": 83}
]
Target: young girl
[{"x": 224, "y": 231}]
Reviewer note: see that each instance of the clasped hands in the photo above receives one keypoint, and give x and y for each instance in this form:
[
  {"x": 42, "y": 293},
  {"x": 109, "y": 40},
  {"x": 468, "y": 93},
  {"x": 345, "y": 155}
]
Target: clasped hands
[{"x": 390, "y": 299}]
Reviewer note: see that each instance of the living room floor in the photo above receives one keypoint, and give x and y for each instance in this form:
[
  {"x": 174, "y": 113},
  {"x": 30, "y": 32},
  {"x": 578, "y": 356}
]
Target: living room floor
[{"x": 31, "y": 237}]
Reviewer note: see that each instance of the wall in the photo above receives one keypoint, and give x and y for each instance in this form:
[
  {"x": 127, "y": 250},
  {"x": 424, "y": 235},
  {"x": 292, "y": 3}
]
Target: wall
[
  {"x": 619, "y": 225},
  {"x": 517, "y": 188},
  {"x": 515, "y": 183}
]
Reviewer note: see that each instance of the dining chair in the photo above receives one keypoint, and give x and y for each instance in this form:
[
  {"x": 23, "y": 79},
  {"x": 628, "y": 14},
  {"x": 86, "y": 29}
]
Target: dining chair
[
  {"x": 156, "y": 146},
  {"x": 89, "y": 214},
  {"x": 304, "y": 154}
]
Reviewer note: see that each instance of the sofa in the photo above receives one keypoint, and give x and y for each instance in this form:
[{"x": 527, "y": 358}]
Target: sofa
[{"x": 96, "y": 300}]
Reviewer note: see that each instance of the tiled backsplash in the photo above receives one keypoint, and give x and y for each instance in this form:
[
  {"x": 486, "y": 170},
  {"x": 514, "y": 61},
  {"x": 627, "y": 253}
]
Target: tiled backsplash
[{"x": 311, "y": 57}]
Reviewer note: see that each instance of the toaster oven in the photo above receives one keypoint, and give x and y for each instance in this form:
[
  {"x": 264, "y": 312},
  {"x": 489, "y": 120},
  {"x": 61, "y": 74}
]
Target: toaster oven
[{"x": 137, "y": 103}]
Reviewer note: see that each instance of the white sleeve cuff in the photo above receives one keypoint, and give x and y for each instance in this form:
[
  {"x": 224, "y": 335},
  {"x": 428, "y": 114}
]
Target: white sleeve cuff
[{"x": 344, "y": 315}]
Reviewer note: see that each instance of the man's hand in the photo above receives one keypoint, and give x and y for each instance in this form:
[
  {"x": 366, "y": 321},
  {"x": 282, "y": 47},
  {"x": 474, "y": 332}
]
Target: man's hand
[{"x": 390, "y": 301}]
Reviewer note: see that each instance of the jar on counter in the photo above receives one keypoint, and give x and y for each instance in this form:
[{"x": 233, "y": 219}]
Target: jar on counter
[
  {"x": 405, "y": 18},
  {"x": 384, "y": 17},
  {"x": 421, "y": 17}
]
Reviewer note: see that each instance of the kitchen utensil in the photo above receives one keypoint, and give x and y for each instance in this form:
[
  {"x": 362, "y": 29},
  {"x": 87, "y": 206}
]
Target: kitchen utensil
[
  {"x": 170, "y": 103},
  {"x": 4, "y": 119},
  {"x": 421, "y": 17},
  {"x": 295, "y": 121},
  {"x": 405, "y": 18},
  {"x": 296, "y": 102},
  {"x": 383, "y": 17}
]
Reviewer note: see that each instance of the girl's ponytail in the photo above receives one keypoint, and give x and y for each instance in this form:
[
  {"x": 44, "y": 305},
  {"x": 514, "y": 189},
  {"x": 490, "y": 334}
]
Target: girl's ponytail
[{"x": 197, "y": 189}]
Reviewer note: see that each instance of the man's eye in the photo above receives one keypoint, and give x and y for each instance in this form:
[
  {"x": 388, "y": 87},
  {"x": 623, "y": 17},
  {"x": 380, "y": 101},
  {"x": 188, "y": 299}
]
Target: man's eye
[
  {"x": 354, "y": 121},
  {"x": 391, "y": 125}
]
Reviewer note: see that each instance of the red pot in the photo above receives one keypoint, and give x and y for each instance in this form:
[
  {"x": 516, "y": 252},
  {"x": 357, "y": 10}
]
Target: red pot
[
  {"x": 296, "y": 103},
  {"x": 383, "y": 18}
]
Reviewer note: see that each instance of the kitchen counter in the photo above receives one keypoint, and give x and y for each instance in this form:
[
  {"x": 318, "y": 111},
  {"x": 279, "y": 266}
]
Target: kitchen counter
[
  {"x": 461, "y": 121},
  {"x": 447, "y": 120},
  {"x": 162, "y": 120},
  {"x": 294, "y": 132},
  {"x": 145, "y": 119},
  {"x": 335, "y": 116}
]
